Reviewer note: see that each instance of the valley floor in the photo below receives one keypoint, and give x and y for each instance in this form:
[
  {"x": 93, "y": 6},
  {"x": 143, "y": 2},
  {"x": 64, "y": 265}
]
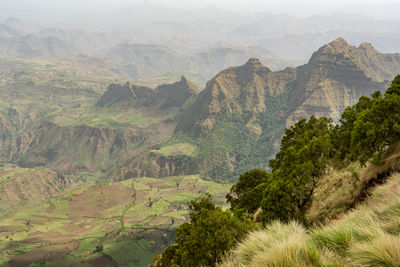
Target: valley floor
[{"x": 114, "y": 224}]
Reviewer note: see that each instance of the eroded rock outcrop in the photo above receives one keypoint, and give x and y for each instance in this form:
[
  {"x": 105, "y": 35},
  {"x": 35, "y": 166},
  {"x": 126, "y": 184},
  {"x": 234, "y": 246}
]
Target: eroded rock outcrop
[
  {"x": 153, "y": 164},
  {"x": 72, "y": 148}
]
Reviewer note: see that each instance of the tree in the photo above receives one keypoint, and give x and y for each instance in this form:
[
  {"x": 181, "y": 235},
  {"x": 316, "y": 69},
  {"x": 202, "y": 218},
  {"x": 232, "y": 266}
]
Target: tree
[
  {"x": 377, "y": 128},
  {"x": 341, "y": 134},
  {"x": 306, "y": 149},
  {"x": 246, "y": 194},
  {"x": 377, "y": 124},
  {"x": 394, "y": 89},
  {"x": 204, "y": 241}
]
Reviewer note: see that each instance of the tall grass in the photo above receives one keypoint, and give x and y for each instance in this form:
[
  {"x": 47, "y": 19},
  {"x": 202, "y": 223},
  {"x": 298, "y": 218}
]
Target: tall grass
[{"x": 366, "y": 236}]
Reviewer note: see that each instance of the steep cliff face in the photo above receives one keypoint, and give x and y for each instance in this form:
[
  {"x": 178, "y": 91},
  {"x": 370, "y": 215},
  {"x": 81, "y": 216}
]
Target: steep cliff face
[
  {"x": 153, "y": 164},
  {"x": 239, "y": 90},
  {"x": 12, "y": 122},
  {"x": 176, "y": 94},
  {"x": 28, "y": 186},
  {"x": 336, "y": 76},
  {"x": 100, "y": 137},
  {"x": 164, "y": 96},
  {"x": 117, "y": 93},
  {"x": 72, "y": 148}
]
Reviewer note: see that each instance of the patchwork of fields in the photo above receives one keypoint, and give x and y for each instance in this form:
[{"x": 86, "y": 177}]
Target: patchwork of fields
[{"x": 122, "y": 223}]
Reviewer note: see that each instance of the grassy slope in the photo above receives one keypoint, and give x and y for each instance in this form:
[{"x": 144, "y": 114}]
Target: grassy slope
[
  {"x": 366, "y": 236},
  {"x": 132, "y": 220}
]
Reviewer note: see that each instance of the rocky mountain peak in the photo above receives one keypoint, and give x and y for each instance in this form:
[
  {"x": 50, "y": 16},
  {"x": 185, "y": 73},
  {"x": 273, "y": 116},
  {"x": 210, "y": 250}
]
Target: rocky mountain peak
[
  {"x": 124, "y": 93},
  {"x": 368, "y": 48},
  {"x": 253, "y": 62},
  {"x": 176, "y": 94},
  {"x": 188, "y": 85},
  {"x": 183, "y": 79},
  {"x": 339, "y": 43},
  {"x": 329, "y": 52},
  {"x": 116, "y": 93}
]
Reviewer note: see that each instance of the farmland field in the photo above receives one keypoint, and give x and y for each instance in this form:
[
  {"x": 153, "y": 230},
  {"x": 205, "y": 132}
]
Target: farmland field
[{"x": 123, "y": 223}]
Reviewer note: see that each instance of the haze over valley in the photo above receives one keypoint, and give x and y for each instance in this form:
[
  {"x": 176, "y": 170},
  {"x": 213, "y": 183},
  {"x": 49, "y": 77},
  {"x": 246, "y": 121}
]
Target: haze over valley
[{"x": 119, "y": 124}]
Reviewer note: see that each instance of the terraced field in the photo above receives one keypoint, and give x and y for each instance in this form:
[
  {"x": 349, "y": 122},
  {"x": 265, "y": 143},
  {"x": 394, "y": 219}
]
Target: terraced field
[{"x": 115, "y": 224}]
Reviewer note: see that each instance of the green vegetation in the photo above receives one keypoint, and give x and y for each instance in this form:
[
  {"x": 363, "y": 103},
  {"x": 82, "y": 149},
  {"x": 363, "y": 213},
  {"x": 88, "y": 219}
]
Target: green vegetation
[
  {"x": 245, "y": 196},
  {"x": 197, "y": 246},
  {"x": 296, "y": 169},
  {"x": 229, "y": 150},
  {"x": 177, "y": 149},
  {"x": 112, "y": 117}
]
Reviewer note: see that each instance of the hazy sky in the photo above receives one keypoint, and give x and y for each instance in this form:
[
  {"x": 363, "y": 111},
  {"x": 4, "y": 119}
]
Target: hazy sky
[{"x": 374, "y": 8}]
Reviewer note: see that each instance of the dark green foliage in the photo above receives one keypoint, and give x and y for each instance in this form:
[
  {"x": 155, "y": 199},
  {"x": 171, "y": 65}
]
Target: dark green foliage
[
  {"x": 394, "y": 89},
  {"x": 245, "y": 151},
  {"x": 342, "y": 134},
  {"x": 99, "y": 248},
  {"x": 377, "y": 128},
  {"x": 205, "y": 240},
  {"x": 38, "y": 264},
  {"x": 305, "y": 151},
  {"x": 370, "y": 126},
  {"x": 246, "y": 195},
  {"x": 230, "y": 150}
]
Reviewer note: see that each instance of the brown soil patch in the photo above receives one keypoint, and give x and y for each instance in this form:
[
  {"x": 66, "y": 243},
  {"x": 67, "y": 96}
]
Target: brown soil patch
[
  {"x": 92, "y": 203},
  {"x": 101, "y": 261},
  {"x": 47, "y": 253},
  {"x": 157, "y": 184},
  {"x": 140, "y": 196},
  {"x": 3, "y": 172},
  {"x": 50, "y": 209},
  {"x": 48, "y": 236},
  {"x": 12, "y": 228},
  {"x": 158, "y": 221}
]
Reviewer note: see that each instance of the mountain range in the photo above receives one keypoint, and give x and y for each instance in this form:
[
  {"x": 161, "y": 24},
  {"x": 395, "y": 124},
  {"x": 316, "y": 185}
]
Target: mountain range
[
  {"x": 195, "y": 43},
  {"x": 176, "y": 129},
  {"x": 79, "y": 132}
]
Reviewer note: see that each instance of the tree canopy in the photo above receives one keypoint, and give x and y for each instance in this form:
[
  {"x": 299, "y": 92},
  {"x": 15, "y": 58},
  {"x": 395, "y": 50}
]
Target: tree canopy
[
  {"x": 205, "y": 239},
  {"x": 246, "y": 194}
]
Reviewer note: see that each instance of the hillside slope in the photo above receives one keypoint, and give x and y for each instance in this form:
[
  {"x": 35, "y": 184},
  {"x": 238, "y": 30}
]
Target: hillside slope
[{"x": 366, "y": 236}]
